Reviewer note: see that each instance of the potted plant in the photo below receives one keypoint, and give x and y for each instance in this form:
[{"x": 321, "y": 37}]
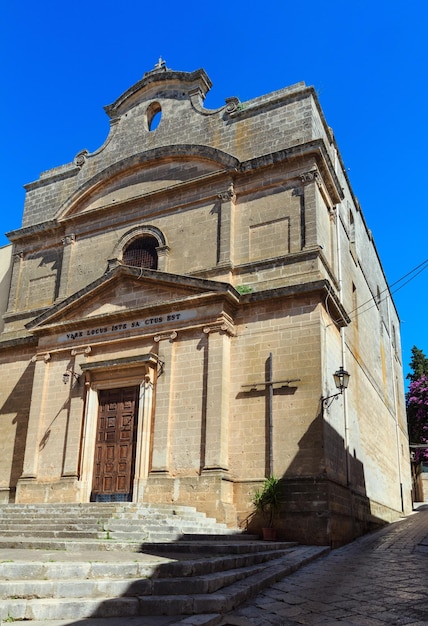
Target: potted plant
[{"x": 267, "y": 501}]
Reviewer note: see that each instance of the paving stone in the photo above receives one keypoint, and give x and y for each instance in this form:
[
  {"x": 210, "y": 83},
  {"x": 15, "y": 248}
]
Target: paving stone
[{"x": 378, "y": 579}]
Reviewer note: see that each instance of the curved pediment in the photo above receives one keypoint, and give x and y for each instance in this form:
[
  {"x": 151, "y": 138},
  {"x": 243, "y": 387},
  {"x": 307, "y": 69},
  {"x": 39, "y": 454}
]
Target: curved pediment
[
  {"x": 161, "y": 82},
  {"x": 145, "y": 174}
]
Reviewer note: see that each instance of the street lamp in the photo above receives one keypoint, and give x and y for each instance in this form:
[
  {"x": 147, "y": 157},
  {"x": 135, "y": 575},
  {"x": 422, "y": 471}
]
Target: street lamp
[
  {"x": 341, "y": 380},
  {"x": 67, "y": 374}
]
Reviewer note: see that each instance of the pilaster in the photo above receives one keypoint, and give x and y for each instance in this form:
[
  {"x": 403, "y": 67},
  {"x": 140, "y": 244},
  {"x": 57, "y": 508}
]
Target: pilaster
[
  {"x": 68, "y": 242},
  {"x": 144, "y": 434},
  {"x": 217, "y": 402},
  {"x": 18, "y": 261},
  {"x": 162, "y": 423},
  {"x": 73, "y": 433},
  {"x": 35, "y": 418},
  {"x": 226, "y": 226},
  {"x": 163, "y": 252}
]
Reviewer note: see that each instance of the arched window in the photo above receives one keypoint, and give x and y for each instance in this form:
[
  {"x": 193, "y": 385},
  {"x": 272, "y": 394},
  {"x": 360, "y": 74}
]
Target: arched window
[{"x": 142, "y": 252}]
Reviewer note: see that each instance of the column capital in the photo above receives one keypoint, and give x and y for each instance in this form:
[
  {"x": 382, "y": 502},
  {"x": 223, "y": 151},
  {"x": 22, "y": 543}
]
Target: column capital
[
  {"x": 228, "y": 195},
  {"x": 68, "y": 239},
  {"x": 222, "y": 325},
  {"x": 81, "y": 350},
  {"x": 41, "y": 356},
  {"x": 311, "y": 176},
  {"x": 164, "y": 336}
]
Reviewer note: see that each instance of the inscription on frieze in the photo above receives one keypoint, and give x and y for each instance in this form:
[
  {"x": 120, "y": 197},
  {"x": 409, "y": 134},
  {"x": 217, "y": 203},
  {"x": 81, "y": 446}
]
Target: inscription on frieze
[{"x": 136, "y": 324}]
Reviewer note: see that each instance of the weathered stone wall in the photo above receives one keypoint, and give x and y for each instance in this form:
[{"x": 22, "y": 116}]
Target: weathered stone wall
[{"x": 16, "y": 374}]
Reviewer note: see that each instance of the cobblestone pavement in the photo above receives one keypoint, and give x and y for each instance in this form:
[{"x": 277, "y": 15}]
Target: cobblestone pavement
[{"x": 381, "y": 578}]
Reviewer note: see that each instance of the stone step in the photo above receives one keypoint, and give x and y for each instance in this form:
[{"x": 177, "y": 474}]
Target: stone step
[
  {"x": 121, "y": 523},
  {"x": 138, "y": 620},
  {"x": 95, "y": 508},
  {"x": 114, "y": 524},
  {"x": 124, "y": 587},
  {"x": 157, "y": 535},
  {"x": 224, "y": 546},
  {"x": 146, "y": 620},
  {"x": 165, "y": 545},
  {"x": 219, "y": 593},
  {"x": 67, "y": 545},
  {"x": 10, "y": 510},
  {"x": 130, "y": 560},
  {"x": 183, "y": 526},
  {"x": 101, "y": 521},
  {"x": 55, "y": 534},
  {"x": 60, "y": 569}
]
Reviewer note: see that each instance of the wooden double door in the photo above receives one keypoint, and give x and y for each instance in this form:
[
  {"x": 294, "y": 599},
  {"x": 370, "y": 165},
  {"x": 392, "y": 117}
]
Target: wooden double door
[{"x": 115, "y": 446}]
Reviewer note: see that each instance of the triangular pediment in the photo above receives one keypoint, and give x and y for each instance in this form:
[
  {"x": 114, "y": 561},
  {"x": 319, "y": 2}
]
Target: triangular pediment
[{"x": 126, "y": 291}]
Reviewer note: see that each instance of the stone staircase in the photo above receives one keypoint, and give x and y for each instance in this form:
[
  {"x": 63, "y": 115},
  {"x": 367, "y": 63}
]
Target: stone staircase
[
  {"x": 86, "y": 562},
  {"x": 96, "y": 524}
]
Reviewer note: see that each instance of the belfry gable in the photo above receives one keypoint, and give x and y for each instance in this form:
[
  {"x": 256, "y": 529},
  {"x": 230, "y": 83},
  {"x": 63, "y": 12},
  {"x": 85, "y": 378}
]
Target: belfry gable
[
  {"x": 124, "y": 291},
  {"x": 161, "y": 82}
]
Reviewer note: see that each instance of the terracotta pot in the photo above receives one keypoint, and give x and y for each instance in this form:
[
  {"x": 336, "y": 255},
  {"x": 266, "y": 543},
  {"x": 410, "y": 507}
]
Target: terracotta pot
[{"x": 269, "y": 534}]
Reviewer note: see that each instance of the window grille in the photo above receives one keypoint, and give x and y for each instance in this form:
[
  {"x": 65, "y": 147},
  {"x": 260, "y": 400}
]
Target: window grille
[{"x": 142, "y": 253}]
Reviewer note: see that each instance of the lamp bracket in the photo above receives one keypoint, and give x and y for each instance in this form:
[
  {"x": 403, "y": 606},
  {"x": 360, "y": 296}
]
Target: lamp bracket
[{"x": 325, "y": 402}]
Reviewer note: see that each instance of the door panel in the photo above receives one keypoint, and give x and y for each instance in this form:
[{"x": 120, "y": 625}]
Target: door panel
[{"x": 115, "y": 445}]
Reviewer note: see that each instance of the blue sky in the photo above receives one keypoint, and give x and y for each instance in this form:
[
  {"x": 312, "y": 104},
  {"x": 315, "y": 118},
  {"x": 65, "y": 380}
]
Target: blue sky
[{"x": 62, "y": 62}]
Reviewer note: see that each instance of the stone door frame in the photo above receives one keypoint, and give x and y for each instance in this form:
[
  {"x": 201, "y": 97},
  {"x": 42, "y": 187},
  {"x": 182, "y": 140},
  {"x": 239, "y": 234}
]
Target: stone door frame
[{"x": 100, "y": 378}]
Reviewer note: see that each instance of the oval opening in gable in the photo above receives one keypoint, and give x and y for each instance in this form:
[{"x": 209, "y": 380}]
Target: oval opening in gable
[{"x": 154, "y": 114}]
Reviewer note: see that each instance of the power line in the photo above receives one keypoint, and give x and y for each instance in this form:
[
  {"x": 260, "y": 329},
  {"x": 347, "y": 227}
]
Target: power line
[{"x": 418, "y": 269}]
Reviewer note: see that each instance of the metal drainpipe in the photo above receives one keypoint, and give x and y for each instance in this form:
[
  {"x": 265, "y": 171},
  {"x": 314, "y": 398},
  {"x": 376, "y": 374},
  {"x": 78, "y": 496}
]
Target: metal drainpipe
[
  {"x": 342, "y": 346},
  {"x": 394, "y": 394},
  {"x": 270, "y": 402}
]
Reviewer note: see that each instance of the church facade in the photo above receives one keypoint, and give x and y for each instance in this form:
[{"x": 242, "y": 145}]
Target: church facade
[{"x": 178, "y": 302}]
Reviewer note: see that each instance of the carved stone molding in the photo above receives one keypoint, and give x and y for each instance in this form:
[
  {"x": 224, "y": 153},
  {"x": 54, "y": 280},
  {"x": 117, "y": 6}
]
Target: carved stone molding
[
  {"x": 315, "y": 176},
  {"x": 222, "y": 325},
  {"x": 81, "y": 350},
  {"x": 112, "y": 263},
  {"x": 228, "y": 195},
  {"x": 232, "y": 104},
  {"x": 41, "y": 356},
  {"x": 163, "y": 250},
  {"x": 164, "y": 336},
  {"x": 68, "y": 239},
  {"x": 311, "y": 176},
  {"x": 80, "y": 158},
  {"x": 18, "y": 256}
]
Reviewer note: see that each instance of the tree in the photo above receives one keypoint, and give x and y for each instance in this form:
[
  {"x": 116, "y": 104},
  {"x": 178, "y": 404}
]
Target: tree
[
  {"x": 417, "y": 404},
  {"x": 419, "y": 365}
]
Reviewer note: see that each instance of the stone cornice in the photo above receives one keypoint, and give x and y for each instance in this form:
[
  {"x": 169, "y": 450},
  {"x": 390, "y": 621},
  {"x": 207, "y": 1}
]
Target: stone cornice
[
  {"x": 16, "y": 342},
  {"x": 316, "y": 148},
  {"x": 37, "y": 230},
  {"x": 340, "y": 315}
]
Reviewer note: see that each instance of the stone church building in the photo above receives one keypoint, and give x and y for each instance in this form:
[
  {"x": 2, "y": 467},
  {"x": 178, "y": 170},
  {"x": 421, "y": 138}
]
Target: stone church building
[{"x": 176, "y": 305}]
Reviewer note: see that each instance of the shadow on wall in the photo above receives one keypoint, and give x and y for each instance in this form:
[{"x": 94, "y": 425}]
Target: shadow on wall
[
  {"x": 18, "y": 406},
  {"x": 324, "y": 498}
]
